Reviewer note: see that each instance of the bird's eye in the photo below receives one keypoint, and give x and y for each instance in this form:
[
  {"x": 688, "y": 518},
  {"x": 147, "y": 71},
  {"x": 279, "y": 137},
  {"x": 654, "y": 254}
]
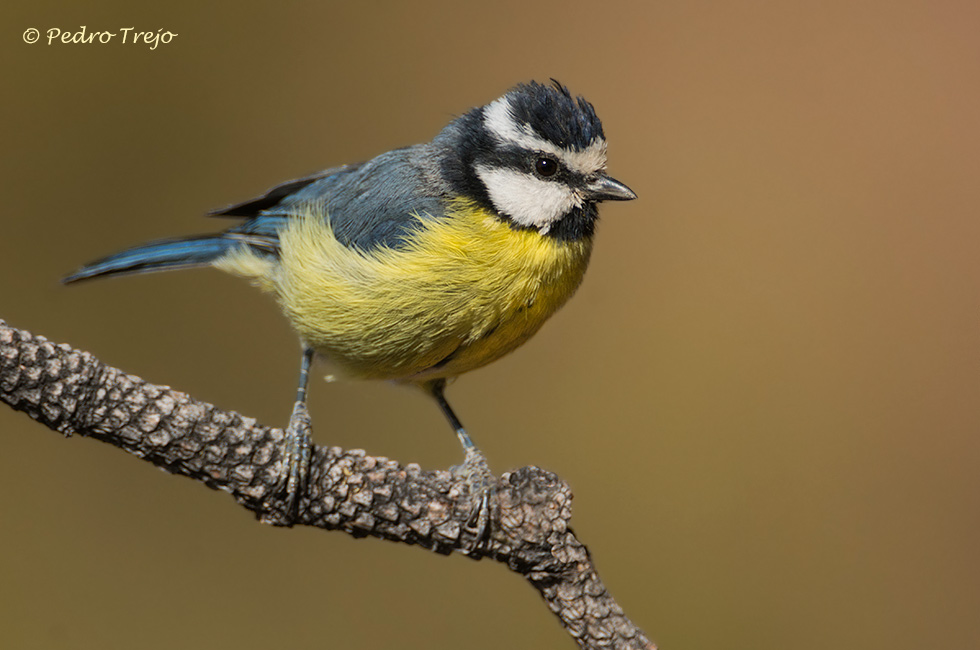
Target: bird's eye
[{"x": 546, "y": 166}]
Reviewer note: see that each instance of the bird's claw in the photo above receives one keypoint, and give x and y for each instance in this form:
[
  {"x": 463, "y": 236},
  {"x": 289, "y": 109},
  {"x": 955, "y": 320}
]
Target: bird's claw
[
  {"x": 296, "y": 452},
  {"x": 479, "y": 481}
]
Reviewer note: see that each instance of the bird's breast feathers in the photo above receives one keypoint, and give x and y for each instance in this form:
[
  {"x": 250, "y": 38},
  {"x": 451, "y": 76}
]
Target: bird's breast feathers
[{"x": 463, "y": 290}]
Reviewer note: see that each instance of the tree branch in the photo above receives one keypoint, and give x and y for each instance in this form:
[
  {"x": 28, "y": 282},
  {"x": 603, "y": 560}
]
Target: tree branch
[{"x": 74, "y": 393}]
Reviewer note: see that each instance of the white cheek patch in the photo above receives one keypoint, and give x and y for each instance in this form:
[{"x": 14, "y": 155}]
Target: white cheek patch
[
  {"x": 498, "y": 118},
  {"x": 526, "y": 199}
]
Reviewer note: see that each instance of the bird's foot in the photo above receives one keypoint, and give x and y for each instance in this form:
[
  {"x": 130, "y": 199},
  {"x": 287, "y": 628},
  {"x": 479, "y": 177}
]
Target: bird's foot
[
  {"x": 296, "y": 452},
  {"x": 480, "y": 484}
]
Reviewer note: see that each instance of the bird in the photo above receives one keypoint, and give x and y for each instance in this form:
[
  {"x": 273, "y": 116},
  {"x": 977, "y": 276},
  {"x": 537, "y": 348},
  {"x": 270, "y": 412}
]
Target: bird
[{"x": 423, "y": 263}]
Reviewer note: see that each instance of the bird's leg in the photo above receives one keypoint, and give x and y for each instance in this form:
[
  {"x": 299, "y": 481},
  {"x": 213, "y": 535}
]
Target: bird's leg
[
  {"x": 298, "y": 444},
  {"x": 474, "y": 471}
]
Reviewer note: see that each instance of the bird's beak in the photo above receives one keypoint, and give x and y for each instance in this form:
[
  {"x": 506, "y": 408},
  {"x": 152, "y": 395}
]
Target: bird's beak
[{"x": 605, "y": 188}]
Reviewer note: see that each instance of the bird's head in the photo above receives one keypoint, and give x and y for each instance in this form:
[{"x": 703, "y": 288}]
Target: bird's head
[{"x": 536, "y": 157}]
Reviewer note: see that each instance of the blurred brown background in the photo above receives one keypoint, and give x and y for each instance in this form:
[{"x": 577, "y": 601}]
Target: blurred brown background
[{"x": 765, "y": 395}]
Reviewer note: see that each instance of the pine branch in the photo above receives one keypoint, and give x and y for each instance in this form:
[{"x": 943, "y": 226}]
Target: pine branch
[{"x": 74, "y": 393}]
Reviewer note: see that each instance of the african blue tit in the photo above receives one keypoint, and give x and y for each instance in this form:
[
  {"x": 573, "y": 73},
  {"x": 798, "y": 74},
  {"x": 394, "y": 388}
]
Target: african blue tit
[{"x": 425, "y": 262}]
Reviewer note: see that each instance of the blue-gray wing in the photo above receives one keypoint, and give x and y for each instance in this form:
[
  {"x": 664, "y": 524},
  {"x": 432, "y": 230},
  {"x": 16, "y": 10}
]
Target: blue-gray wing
[{"x": 376, "y": 203}]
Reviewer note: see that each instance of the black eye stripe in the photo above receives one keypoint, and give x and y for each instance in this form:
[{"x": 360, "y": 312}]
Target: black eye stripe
[{"x": 525, "y": 160}]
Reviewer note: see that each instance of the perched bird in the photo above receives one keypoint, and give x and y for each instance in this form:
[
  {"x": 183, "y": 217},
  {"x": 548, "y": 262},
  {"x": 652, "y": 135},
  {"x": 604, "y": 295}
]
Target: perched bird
[{"x": 425, "y": 262}]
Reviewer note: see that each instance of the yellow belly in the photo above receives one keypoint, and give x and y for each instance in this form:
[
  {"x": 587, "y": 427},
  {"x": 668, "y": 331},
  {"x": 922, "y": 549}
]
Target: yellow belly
[{"x": 463, "y": 292}]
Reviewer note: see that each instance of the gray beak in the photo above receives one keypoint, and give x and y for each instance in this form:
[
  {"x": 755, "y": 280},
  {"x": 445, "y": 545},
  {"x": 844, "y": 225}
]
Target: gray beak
[{"x": 605, "y": 188}]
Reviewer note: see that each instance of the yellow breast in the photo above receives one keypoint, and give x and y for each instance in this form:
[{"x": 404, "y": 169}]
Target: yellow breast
[{"x": 464, "y": 291}]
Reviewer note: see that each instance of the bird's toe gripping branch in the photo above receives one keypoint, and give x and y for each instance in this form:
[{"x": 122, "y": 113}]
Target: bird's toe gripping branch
[
  {"x": 479, "y": 484},
  {"x": 296, "y": 450}
]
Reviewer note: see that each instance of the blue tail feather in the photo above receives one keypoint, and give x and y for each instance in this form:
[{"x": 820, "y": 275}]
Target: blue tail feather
[{"x": 183, "y": 253}]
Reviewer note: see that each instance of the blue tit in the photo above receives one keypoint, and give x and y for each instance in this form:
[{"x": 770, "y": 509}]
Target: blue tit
[{"x": 425, "y": 262}]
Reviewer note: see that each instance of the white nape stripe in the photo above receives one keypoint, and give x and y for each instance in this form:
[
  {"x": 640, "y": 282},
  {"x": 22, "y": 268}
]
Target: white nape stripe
[
  {"x": 498, "y": 118},
  {"x": 527, "y": 199}
]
